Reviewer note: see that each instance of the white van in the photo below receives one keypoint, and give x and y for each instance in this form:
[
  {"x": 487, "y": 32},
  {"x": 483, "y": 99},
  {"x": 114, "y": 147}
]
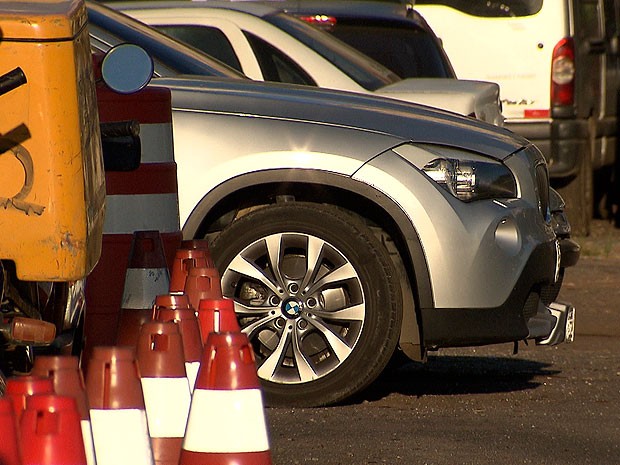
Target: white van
[{"x": 557, "y": 65}]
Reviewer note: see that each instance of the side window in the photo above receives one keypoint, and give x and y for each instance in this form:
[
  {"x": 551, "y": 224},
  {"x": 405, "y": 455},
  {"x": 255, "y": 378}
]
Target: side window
[
  {"x": 275, "y": 65},
  {"x": 209, "y": 40}
]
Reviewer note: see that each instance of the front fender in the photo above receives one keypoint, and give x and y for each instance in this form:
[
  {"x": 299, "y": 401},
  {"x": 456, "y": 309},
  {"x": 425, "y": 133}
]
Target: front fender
[{"x": 213, "y": 148}]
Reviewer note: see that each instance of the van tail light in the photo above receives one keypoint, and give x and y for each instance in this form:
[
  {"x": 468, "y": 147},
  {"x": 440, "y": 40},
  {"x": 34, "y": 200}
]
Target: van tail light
[
  {"x": 563, "y": 73},
  {"x": 324, "y": 22}
]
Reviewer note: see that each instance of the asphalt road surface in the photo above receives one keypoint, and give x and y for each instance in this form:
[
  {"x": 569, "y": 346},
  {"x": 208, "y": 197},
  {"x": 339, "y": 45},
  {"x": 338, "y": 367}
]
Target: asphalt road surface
[{"x": 545, "y": 405}]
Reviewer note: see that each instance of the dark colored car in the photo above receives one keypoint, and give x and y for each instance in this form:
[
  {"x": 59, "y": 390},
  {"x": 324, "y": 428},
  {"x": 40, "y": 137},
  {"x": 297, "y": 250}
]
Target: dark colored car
[{"x": 390, "y": 32}]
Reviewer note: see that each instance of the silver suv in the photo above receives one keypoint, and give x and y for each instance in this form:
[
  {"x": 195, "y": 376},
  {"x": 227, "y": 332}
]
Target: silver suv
[{"x": 346, "y": 226}]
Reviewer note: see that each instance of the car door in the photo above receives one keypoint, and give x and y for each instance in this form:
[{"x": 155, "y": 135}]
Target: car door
[
  {"x": 611, "y": 76},
  {"x": 590, "y": 58}
]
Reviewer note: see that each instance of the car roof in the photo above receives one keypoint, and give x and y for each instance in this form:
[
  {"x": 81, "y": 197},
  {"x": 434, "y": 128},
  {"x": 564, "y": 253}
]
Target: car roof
[
  {"x": 389, "y": 11},
  {"x": 392, "y": 10}
]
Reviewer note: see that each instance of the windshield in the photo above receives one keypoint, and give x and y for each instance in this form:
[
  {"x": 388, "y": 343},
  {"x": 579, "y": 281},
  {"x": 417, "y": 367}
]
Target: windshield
[
  {"x": 108, "y": 28},
  {"x": 362, "y": 69},
  {"x": 405, "y": 48}
]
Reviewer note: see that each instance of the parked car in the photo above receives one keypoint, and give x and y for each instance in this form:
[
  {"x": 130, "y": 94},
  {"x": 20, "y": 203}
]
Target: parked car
[
  {"x": 346, "y": 225},
  {"x": 266, "y": 44},
  {"x": 559, "y": 82},
  {"x": 390, "y": 32}
]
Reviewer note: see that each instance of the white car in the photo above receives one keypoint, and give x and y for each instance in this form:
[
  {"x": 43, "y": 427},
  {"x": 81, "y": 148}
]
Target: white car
[
  {"x": 560, "y": 81},
  {"x": 267, "y": 44}
]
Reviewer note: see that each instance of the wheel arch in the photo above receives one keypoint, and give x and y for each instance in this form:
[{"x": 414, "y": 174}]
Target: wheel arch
[{"x": 396, "y": 231}]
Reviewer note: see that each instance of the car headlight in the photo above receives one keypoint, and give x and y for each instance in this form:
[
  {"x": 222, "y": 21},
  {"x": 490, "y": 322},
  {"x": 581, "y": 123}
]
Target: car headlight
[{"x": 469, "y": 180}]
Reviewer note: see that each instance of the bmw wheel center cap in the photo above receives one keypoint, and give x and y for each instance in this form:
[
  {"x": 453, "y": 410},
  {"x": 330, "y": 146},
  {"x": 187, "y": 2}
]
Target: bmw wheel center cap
[{"x": 291, "y": 308}]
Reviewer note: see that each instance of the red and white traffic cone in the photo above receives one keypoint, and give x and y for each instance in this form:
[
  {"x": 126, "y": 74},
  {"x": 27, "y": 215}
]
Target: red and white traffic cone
[
  {"x": 227, "y": 389},
  {"x": 68, "y": 380},
  {"x": 165, "y": 386},
  {"x": 176, "y": 308},
  {"x": 19, "y": 388},
  {"x": 171, "y": 302},
  {"x": 217, "y": 315},
  {"x": 147, "y": 277},
  {"x": 199, "y": 244},
  {"x": 202, "y": 283},
  {"x": 9, "y": 445},
  {"x": 50, "y": 431},
  {"x": 117, "y": 412},
  {"x": 185, "y": 259}
]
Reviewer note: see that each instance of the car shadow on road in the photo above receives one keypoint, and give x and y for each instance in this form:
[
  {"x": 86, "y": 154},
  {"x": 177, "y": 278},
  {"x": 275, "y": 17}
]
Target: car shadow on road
[{"x": 449, "y": 375}]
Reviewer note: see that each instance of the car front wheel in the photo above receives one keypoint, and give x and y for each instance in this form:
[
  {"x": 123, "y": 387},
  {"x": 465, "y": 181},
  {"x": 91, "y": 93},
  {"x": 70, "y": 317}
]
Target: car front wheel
[{"x": 316, "y": 294}]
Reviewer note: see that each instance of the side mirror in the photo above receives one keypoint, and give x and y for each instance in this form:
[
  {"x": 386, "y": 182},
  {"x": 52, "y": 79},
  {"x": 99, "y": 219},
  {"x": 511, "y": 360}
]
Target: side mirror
[{"x": 127, "y": 68}]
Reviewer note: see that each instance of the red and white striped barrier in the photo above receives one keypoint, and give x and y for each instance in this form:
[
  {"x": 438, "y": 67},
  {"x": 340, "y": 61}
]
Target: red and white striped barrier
[
  {"x": 9, "y": 445},
  {"x": 146, "y": 277},
  {"x": 50, "y": 431},
  {"x": 165, "y": 386},
  {"x": 117, "y": 411},
  {"x": 140, "y": 200},
  {"x": 176, "y": 308},
  {"x": 226, "y": 422},
  {"x": 68, "y": 380},
  {"x": 217, "y": 315}
]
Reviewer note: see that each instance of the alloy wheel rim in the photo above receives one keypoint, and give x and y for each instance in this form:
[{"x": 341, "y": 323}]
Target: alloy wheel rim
[{"x": 301, "y": 303}]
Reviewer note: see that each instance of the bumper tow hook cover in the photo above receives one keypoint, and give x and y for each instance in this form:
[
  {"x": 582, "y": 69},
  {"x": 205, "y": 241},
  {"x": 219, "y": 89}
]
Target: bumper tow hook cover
[{"x": 564, "y": 327}]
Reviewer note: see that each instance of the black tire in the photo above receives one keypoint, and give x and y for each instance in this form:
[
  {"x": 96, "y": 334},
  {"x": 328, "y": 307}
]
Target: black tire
[{"x": 306, "y": 354}]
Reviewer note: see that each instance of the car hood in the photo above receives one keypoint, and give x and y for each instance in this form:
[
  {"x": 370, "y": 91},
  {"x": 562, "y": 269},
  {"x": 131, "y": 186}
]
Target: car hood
[
  {"x": 401, "y": 120},
  {"x": 466, "y": 97}
]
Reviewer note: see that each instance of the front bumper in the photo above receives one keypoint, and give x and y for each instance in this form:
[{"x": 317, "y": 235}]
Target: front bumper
[{"x": 509, "y": 322}]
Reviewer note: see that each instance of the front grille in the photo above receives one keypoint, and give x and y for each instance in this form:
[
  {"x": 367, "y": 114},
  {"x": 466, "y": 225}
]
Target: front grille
[{"x": 542, "y": 187}]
